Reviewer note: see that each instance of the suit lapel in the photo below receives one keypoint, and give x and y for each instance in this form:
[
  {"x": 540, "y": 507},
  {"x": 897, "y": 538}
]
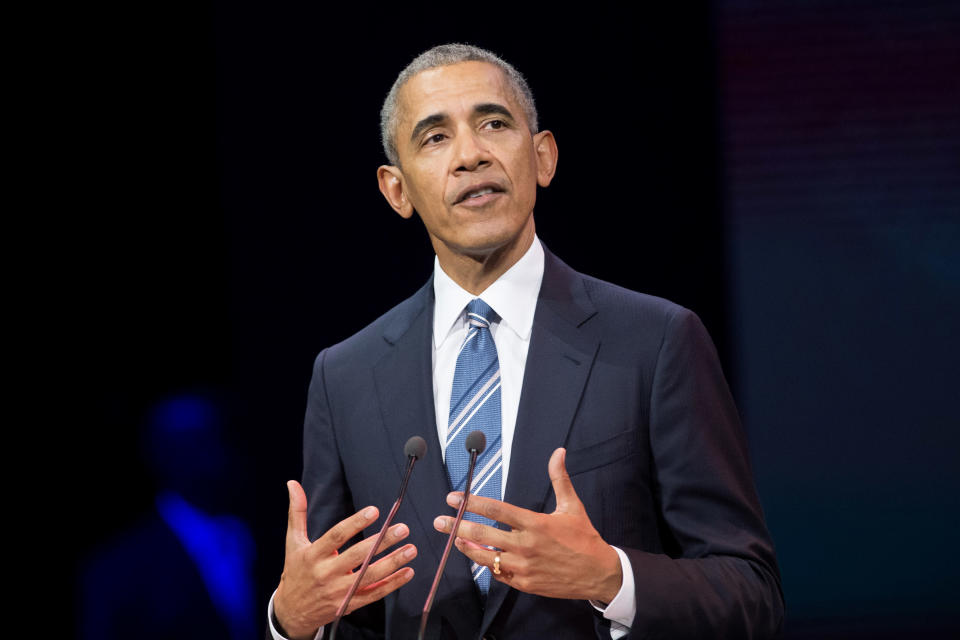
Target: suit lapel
[
  {"x": 404, "y": 382},
  {"x": 562, "y": 349}
]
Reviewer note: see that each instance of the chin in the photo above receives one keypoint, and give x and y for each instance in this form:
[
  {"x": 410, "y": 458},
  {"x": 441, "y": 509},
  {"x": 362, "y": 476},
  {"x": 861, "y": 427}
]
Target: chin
[{"x": 487, "y": 244}]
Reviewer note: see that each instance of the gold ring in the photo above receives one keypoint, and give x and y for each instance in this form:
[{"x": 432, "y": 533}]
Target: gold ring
[{"x": 496, "y": 564}]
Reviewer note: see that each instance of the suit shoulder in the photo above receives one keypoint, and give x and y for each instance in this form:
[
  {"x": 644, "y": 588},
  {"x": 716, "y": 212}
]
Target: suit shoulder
[
  {"x": 369, "y": 343},
  {"x": 642, "y": 324},
  {"x": 632, "y": 319},
  {"x": 612, "y": 297}
]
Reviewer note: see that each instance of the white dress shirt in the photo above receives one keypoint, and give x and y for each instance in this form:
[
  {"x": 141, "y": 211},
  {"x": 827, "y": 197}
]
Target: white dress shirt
[{"x": 514, "y": 298}]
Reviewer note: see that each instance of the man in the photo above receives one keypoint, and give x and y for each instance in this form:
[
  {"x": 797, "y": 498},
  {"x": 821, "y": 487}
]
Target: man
[{"x": 627, "y": 502}]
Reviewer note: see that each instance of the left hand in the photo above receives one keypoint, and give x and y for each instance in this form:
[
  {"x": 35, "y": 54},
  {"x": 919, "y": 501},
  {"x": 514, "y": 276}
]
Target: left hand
[{"x": 559, "y": 554}]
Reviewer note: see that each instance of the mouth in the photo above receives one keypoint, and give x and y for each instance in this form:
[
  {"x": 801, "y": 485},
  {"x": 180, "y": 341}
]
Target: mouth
[{"x": 479, "y": 193}]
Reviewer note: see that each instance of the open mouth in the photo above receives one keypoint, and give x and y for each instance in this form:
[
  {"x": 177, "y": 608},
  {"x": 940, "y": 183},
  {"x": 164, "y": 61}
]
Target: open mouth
[{"x": 478, "y": 192}]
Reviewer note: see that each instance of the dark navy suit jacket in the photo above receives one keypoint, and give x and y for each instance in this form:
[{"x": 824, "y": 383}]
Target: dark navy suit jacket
[{"x": 631, "y": 385}]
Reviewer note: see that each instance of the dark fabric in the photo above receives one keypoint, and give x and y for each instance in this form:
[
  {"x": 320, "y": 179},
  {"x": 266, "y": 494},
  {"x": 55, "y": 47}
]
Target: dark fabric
[
  {"x": 146, "y": 586},
  {"x": 631, "y": 385}
]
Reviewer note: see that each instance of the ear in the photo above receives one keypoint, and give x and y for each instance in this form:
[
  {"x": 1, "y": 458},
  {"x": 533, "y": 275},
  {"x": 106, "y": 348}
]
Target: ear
[
  {"x": 545, "y": 147},
  {"x": 391, "y": 186}
]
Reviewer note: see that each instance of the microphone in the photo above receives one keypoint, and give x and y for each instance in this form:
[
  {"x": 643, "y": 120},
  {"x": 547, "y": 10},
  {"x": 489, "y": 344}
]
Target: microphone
[
  {"x": 414, "y": 449},
  {"x": 476, "y": 442}
]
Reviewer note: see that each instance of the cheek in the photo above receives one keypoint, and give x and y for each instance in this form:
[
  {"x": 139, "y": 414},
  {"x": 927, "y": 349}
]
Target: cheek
[
  {"x": 525, "y": 170},
  {"x": 425, "y": 194},
  {"x": 528, "y": 185}
]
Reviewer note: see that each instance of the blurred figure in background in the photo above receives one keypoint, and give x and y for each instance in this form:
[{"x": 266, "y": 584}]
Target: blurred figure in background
[{"x": 185, "y": 570}]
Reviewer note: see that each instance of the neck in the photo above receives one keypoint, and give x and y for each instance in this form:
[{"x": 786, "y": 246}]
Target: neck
[{"x": 476, "y": 272}]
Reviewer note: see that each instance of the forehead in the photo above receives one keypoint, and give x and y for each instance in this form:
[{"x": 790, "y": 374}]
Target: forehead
[{"x": 454, "y": 89}]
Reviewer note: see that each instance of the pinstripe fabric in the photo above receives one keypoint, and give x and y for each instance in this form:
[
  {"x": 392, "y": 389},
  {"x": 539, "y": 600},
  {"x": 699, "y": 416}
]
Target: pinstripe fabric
[{"x": 475, "y": 405}]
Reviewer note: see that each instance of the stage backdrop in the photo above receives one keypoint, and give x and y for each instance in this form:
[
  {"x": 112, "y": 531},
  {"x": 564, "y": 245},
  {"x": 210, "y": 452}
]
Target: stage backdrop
[
  {"x": 841, "y": 125},
  {"x": 788, "y": 170}
]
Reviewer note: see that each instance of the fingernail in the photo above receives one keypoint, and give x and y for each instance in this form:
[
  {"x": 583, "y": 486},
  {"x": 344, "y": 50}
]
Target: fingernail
[
  {"x": 440, "y": 524},
  {"x": 454, "y": 499},
  {"x": 400, "y": 530},
  {"x": 458, "y": 541},
  {"x": 409, "y": 553},
  {"x": 370, "y": 513}
]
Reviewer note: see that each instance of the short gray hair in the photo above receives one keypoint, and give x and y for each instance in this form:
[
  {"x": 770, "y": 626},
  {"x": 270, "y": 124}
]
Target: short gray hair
[{"x": 442, "y": 56}]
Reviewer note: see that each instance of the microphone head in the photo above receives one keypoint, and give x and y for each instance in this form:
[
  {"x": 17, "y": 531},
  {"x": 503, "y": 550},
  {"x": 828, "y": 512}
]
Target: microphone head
[
  {"x": 476, "y": 441},
  {"x": 416, "y": 447}
]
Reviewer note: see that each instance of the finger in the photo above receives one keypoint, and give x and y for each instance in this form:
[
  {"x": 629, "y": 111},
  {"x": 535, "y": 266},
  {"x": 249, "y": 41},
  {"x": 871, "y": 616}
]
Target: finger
[
  {"x": 497, "y": 510},
  {"x": 567, "y": 499},
  {"x": 482, "y": 556},
  {"x": 475, "y": 532},
  {"x": 473, "y": 545},
  {"x": 396, "y": 533},
  {"x": 376, "y": 591},
  {"x": 340, "y": 533},
  {"x": 355, "y": 555},
  {"x": 296, "y": 515},
  {"x": 389, "y": 564}
]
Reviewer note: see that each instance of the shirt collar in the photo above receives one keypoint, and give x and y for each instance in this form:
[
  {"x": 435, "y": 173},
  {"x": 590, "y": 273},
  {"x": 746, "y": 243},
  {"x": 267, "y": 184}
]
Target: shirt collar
[{"x": 513, "y": 296}]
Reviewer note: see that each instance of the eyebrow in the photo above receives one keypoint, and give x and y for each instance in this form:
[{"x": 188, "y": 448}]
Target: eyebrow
[
  {"x": 426, "y": 123},
  {"x": 491, "y": 108},
  {"x": 482, "y": 109}
]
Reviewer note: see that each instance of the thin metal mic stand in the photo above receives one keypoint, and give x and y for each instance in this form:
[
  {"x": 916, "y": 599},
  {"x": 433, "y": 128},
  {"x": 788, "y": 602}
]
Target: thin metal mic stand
[
  {"x": 373, "y": 550},
  {"x": 453, "y": 533}
]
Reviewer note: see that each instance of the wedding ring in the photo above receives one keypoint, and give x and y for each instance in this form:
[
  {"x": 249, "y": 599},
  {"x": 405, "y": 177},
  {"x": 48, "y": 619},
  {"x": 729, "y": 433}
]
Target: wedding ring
[{"x": 496, "y": 564}]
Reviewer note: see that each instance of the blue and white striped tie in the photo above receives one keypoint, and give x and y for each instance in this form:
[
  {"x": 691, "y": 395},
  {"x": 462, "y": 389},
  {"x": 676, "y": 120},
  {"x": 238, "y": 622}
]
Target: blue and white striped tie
[{"x": 475, "y": 404}]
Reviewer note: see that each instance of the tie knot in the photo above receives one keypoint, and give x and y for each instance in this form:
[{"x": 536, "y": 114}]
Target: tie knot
[{"x": 479, "y": 313}]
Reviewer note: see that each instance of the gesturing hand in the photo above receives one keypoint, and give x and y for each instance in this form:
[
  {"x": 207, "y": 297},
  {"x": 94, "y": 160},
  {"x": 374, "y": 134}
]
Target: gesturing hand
[
  {"x": 316, "y": 577},
  {"x": 559, "y": 554}
]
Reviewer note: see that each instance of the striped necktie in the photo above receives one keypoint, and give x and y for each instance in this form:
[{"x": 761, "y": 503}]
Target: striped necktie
[{"x": 475, "y": 405}]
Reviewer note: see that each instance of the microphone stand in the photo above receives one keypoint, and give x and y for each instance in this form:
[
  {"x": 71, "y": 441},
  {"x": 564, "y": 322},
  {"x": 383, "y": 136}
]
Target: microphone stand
[
  {"x": 446, "y": 549},
  {"x": 373, "y": 549}
]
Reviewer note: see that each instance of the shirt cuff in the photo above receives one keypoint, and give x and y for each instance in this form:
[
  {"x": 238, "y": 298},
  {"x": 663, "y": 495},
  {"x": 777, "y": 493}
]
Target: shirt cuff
[
  {"x": 621, "y": 610},
  {"x": 273, "y": 630}
]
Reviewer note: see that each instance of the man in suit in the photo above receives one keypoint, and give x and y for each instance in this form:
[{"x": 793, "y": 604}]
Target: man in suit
[{"x": 628, "y": 507}]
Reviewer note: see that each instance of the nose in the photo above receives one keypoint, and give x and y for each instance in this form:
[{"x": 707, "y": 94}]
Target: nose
[{"x": 471, "y": 152}]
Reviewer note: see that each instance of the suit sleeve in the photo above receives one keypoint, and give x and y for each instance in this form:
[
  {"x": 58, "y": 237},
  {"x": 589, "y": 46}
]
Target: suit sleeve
[
  {"x": 328, "y": 494},
  {"x": 720, "y": 577}
]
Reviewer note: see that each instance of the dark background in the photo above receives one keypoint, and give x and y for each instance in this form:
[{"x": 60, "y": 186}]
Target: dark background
[{"x": 790, "y": 171}]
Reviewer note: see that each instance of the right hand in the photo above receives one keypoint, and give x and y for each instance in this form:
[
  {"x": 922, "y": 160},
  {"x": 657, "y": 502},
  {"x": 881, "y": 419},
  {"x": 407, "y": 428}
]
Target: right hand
[{"x": 316, "y": 577}]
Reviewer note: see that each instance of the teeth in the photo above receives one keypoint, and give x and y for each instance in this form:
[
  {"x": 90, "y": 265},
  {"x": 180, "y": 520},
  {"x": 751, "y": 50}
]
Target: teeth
[{"x": 481, "y": 192}]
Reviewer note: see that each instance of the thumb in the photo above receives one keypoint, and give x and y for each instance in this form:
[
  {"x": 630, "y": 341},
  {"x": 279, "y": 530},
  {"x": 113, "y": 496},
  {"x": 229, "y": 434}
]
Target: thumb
[
  {"x": 296, "y": 516},
  {"x": 567, "y": 500}
]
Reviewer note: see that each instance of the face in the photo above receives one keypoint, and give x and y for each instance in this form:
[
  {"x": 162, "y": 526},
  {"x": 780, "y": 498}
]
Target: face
[{"x": 469, "y": 165}]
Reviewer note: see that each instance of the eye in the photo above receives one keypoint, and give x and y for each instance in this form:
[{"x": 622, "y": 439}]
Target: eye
[
  {"x": 496, "y": 124},
  {"x": 434, "y": 139}
]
